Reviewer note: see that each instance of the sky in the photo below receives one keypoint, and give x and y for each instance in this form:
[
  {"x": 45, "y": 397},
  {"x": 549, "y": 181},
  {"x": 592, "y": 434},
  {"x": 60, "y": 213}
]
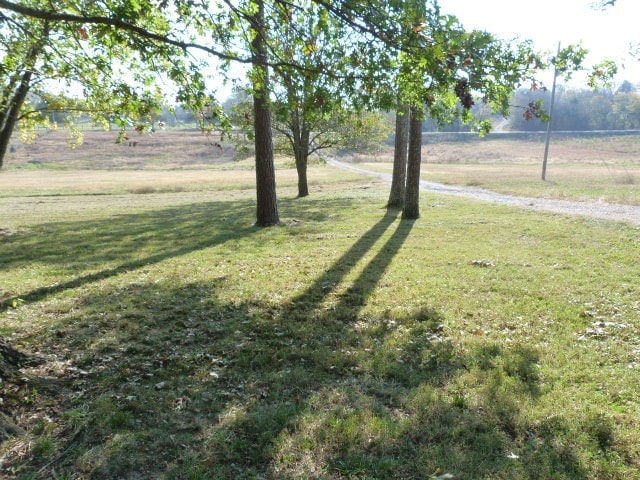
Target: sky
[{"x": 605, "y": 33}]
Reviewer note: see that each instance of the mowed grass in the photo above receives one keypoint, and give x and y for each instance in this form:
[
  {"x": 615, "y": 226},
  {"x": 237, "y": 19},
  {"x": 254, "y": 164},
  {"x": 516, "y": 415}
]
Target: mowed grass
[
  {"x": 182, "y": 342},
  {"x": 230, "y": 176}
]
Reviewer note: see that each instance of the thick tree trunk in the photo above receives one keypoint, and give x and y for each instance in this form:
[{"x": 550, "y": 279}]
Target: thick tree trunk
[
  {"x": 301, "y": 167},
  {"x": 267, "y": 202},
  {"x": 399, "y": 179},
  {"x": 411, "y": 209},
  {"x": 9, "y": 117}
]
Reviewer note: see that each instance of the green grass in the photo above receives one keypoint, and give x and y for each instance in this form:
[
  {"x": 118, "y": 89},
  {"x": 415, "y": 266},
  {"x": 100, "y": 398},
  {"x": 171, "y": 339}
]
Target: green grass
[{"x": 480, "y": 341}]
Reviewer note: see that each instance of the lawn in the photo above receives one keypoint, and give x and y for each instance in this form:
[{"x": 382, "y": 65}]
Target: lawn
[{"x": 178, "y": 341}]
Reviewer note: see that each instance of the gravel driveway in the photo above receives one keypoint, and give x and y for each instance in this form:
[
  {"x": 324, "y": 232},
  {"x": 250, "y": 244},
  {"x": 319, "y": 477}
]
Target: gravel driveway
[{"x": 622, "y": 213}]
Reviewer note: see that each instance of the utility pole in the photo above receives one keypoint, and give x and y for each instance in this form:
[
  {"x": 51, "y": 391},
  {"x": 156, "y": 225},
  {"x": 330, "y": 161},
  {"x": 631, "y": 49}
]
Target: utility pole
[{"x": 553, "y": 98}]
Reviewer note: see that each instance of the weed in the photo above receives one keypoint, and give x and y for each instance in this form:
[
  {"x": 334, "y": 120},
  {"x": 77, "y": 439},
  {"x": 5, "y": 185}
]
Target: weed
[
  {"x": 601, "y": 429},
  {"x": 44, "y": 446}
]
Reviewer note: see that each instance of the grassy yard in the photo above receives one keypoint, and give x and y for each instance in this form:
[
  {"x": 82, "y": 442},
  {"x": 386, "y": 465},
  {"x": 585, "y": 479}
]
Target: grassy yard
[{"x": 181, "y": 342}]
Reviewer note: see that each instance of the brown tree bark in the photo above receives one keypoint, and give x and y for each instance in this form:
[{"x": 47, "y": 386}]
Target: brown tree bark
[
  {"x": 300, "y": 139},
  {"x": 399, "y": 178},
  {"x": 267, "y": 203},
  {"x": 411, "y": 209},
  {"x": 9, "y": 117}
]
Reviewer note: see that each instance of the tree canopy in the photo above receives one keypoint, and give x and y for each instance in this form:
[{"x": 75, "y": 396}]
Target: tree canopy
[{"x": 321, "y": 55}]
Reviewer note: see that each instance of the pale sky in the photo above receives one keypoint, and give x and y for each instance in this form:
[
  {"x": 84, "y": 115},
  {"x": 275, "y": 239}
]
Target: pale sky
[{"x": 605, "y": 33}]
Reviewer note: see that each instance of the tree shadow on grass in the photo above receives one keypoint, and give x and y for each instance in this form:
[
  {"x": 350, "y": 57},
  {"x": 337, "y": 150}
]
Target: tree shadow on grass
[
  {"x": 178, "y": 384},
  {"x": 80, "y": 249}
]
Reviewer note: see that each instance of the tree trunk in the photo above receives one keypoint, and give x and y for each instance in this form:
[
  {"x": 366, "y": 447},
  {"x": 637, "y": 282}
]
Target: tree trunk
[
  {"x": 399, "y": 179},
  {"x": 301, "y": 167},
  {"x": 411, "y": 209},
  {"x": 267, "y": 202},
  {"x": 15, "y": 92},
  {"x": 302, "y": 157},
  {"x": 10, "y": 116}
]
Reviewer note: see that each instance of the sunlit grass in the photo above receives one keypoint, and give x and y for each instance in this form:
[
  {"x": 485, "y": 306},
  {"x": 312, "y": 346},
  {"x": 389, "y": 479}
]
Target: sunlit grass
[
  {"x": 101, "y": 182},
  {"x": 480, "y": 341},
  {"x": 578, "y": 182}
]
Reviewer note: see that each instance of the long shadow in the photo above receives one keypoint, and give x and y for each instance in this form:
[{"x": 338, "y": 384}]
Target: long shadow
[
  {"x": 94, "y": 242},
  {"x": 167, "y": 233},
  {"x": 357, "y": 294},
  {"x": 170, "y": 382},
  {"x": 130, "y": 242},
  {"x": 325, "y": 284}
]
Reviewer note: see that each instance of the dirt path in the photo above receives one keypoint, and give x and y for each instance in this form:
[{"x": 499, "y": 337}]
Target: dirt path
[{"x": 622, "y": 213}]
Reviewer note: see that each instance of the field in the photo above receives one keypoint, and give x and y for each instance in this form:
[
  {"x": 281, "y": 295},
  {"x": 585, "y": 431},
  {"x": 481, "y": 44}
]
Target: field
[
  {"x": 587, "y": 168},
  {"x": 172, "y": 339}
]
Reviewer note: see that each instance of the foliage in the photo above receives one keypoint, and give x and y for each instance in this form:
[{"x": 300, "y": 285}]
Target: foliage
[
  {"x": 115, "y": 71},
  {"x": 399, "y": 53}
]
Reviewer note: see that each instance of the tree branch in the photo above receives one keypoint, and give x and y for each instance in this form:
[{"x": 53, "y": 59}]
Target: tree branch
[
  {"x": 117, "y": 23},
  {"x": 54, "y": 16}
]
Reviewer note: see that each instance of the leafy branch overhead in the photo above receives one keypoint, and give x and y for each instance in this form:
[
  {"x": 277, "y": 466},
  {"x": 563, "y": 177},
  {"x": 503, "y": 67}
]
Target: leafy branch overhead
[{"x": 309, "y": 60}]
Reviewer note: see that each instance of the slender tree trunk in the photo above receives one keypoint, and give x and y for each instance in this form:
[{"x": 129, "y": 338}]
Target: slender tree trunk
[
  {"x": 399, "y": 179},
  {"x": 411, "y": 209},
  {"x": 9, "y": 116},
  {"x": 15, "y": 92},
  {"x": 301, "y": 167},
  {"x": 302, "y": 157},
  {"x": 267, "y": 202}
]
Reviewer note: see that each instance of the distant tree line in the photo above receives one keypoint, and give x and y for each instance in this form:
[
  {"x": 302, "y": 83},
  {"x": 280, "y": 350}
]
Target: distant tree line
[
  {"x": 574, "y": 110},
  {"x": 582, "y": 109}
]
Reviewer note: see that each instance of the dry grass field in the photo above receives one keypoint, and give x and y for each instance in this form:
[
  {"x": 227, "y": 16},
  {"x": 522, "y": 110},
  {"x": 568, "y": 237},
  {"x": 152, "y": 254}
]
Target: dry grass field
[
  {"x": 584, "y": 168},
  {"x": 189, "y": 148},
  {"x": 99, "y": 150},
  {"x": 598, "y": 168}
]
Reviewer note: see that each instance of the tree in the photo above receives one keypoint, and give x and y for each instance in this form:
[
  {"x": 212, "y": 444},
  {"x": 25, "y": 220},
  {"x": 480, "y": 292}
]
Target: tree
[
  {"x": 307, "y": 100},
  {"x": 400, "y": 152},
  {"x": 102, "y": 53},
  {"x": 159, "y": 38},
  {"x": 267, "y": 204},
  {"x": 625, "y": 110},
  {"x": 441, "y": 70},
  {"x": 318, "y": 87}
]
